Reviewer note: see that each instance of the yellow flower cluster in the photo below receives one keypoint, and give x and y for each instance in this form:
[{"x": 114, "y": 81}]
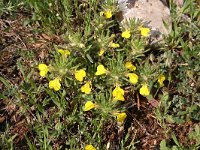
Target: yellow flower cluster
[
  {"x": 90, "y": 105},
  {"x": 133, "y": 78},
  {"x": 143, "y": 31},
  {"x": 86, "y": 88},
  {"x": 44, "y": 69}
]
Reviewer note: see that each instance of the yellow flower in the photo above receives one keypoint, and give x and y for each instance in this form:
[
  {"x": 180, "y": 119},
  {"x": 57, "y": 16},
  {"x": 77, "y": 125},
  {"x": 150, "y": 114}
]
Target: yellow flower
[
  {"x": 121, "y": 117},
  {"x": 130, "y": 66},
  {"x": 64, "y": 52},
  {"x": 43, "y": 69},
  {"x": 55, "y": 84},
  {"x": 144, "y": 31},
  {"x": 118, "y": 93},
  {"x": 144, "y": 90},
  {"x": 133, "y": 78},
  {"x": 90, "y": 147},
  {"x": 114, "y": 45},
  {"x": 107, "y": 14},
  {"x": 101, "y": 52},
  {"x": 86, "y": 88},
  {"x": 100, "y": 70},
  {"x": 80, "y": 74},
  {"x": 161, "y": 78},
  {"x": 89, "y": 105},
  {"x": 126, "y": 34}
]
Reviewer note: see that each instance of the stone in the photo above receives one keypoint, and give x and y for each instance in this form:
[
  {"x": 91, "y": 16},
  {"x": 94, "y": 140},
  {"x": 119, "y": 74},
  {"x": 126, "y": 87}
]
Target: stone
[{"x": 152, "y": 12}]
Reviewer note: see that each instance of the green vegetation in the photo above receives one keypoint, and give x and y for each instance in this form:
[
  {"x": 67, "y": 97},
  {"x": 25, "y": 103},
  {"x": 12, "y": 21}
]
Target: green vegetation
[{"x": 89, "y": 88}]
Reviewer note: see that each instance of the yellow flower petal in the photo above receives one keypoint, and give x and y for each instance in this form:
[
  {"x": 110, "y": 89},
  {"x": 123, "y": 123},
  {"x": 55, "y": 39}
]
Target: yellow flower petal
[
  {"x": 86, "y": 88},
  {"x": 130, "y": 66},
  {"x": 43, "y": 73},
  {"x": 101, "y": 52},
  {"x": 144, "y": 31},
  {"x": 118, "y": 93},
  {"x": 114, "y": 45},
  {"x": 126, "y": 34},
  {"x": 89, "y": 105},
  {"x": 80, "y": 74},
  {"x": 161, "y": 78},
  {"x": 55, "y": 84},
  {"x": 100, "y": 70},
  {"x": 43, "y": 69},
  {"x": 108, "y": 14},
  {"x": 90, "y": 147},
  {"x": 133, "y": 78},
  {"x": 121, "y": 117},
  {"x": 64, "y": 52},
  {"x": 144, "y": 90}
]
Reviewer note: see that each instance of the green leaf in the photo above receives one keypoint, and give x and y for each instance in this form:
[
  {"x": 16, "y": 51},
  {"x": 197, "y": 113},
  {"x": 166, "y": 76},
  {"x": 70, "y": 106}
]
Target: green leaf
[
  {"x": 163, "y": 145},
  {"x": 31, "y": 146},
  {"x": 175, "y": 140},
  {"x": 19, "y": 65},
  {"x": 2, "y": 96},
  {"x": 89, "y": 58},
  {"x": 5, "y": 82}
]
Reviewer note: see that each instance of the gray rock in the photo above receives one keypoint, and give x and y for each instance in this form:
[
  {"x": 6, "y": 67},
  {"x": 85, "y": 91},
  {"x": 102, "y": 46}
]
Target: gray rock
[{"x": 152, "y": 12}]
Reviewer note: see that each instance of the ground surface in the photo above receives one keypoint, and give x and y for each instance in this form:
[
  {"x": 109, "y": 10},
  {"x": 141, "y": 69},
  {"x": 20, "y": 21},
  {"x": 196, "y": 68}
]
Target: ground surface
[{"x": 17, "y": 40}]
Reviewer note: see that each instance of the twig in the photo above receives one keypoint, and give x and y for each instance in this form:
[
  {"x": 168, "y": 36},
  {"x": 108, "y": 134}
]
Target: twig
[{"x": 138, "y": 102}]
